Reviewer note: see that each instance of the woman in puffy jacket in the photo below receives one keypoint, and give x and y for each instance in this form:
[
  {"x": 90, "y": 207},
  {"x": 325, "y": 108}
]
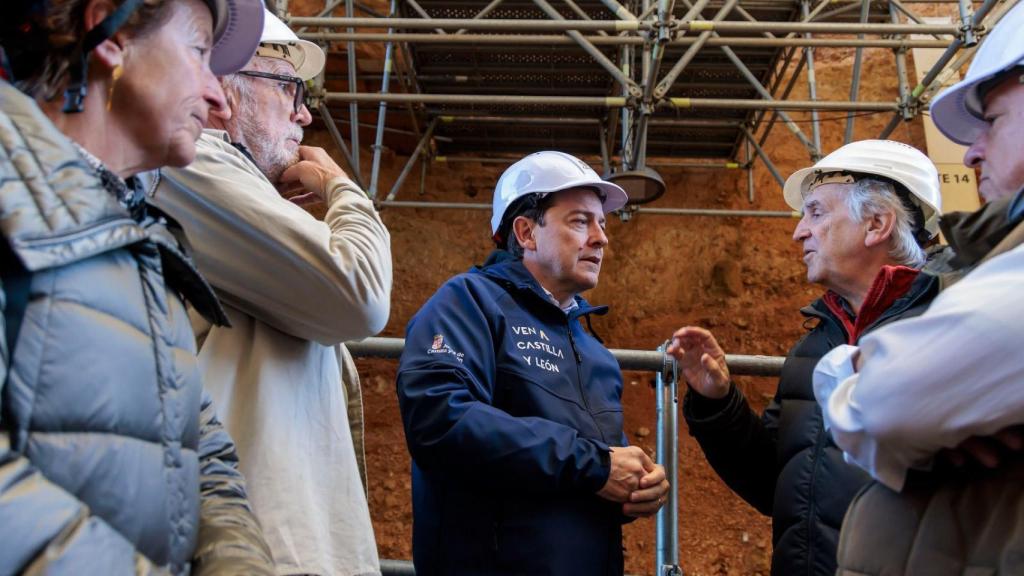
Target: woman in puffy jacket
[{"x": 111, "y": 460}]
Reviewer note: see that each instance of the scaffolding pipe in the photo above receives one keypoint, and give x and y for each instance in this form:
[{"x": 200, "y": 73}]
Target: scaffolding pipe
[
  {"x": 353, "y": 107},
  {"x": 709, "y": 212},
  {"x": 590, "y": 49},
  {"x": 484, "y": 12},
  {"x": 471, "y": 24},
  {"x": 332, "y": 129},
  {"x": 652, "y": 163},
  {"x": 624, "y": 26},
  {"x": 620, "y": 11},
  {"x": 865, "y": 8},
  {"x": 579, "y": 12},
  {"x": 560, "y": 40},
  {"x": 812, "y": 85},
  {"x": 914, "y": 17},
  {"x": 750, "y": 171},
  {"x": 613, "y": 101},
  {"x": 666, "y": 523},
  {"x": 967, "y": 22},
  {"x": 423, "y": 13},
  {"x": 764, "y": 157},
  {"x": 666, "y": 83},
  {"x": 382, "y": 112},
  {"x": 645, "y": 360},
  {"x": 423, "y": 143},
  {"x": 746, "y": 73}
]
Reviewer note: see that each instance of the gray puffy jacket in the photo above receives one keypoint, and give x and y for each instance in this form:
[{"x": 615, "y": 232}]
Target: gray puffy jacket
[{"x": 111, "y": 458}]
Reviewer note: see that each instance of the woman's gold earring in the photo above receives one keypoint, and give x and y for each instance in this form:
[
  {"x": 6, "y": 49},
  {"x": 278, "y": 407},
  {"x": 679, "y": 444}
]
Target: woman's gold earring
[{"x": 115, "y": 75}]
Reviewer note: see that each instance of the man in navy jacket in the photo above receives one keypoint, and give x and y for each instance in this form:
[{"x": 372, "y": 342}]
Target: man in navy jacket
[{"x": 512, "y": 411}]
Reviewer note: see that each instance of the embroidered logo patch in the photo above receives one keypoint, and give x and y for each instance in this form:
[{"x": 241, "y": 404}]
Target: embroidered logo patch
[{"x": 439, "y": 346}]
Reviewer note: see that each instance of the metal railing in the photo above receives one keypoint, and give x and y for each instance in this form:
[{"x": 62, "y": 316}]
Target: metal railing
[{"x": 666, "y": 387}]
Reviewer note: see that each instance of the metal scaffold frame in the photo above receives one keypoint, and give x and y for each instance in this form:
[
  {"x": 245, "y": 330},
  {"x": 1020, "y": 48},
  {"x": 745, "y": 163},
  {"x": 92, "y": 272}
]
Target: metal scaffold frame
[{"x": 661, "y": 60}]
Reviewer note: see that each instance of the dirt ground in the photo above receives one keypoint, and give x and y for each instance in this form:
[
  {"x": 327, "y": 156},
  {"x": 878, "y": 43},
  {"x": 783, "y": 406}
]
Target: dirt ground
[{"x": 741, "y": 277}]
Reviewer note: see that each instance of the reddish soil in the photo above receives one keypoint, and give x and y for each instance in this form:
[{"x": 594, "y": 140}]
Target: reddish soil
[{"x": 742, "y": 278}]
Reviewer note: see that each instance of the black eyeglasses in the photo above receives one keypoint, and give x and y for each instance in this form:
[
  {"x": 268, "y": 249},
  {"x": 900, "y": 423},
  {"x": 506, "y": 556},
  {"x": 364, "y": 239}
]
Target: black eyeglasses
[{"x": 295, "y": 87}]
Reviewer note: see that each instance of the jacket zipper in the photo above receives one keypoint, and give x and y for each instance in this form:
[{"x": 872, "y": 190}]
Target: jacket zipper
[{"x": 579, "y": 380}]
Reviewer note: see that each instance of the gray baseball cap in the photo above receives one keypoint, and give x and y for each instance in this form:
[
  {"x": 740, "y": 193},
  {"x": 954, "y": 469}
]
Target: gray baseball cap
[{"x": 237, "y": 25}]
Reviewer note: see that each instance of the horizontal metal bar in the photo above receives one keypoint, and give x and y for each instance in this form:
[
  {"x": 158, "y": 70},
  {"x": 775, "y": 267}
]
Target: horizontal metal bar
[
  {"x": 466, "y": 24},
  {"x": 624, "y": 25},
  {"x": 818, "y": 27},
  {"x": 610, "y": 101},
  {"x": 649, "y": 360},
  {"x": 654, "y": 163},
  {"x": 714, "y": 212},
  {"x": 560, "y": 40}
]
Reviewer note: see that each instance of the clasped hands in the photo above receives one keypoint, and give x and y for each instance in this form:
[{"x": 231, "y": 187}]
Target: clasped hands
[{"x": 635, "y": 481}]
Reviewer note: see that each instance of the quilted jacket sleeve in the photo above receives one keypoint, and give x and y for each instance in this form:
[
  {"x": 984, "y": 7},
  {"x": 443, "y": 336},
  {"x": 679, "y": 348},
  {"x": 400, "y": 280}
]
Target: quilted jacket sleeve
[
  {"x": 230, "y": 539},
  {"x": 44, "y": 528}
]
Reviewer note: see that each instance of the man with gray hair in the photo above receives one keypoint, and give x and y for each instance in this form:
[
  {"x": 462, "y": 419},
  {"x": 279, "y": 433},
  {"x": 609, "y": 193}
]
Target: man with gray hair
[
  {"x": 294, "y": 289},
  {"x": 867, "y": 210}
]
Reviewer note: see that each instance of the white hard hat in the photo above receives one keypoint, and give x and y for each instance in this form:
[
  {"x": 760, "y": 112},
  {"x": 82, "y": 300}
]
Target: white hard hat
[
  {"x": 278, "y": 41},
  {"x": 547, "y": 172},
  {"x": 957, "y": 111},
  {"x": 893, "y": 160}
]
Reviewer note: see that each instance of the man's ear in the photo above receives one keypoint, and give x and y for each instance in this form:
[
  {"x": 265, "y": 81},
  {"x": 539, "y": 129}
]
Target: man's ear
[
  {"x": 523, "y": 228},
  {"x": 879, "y": 228},
  {"x": 109, "y": 53}
]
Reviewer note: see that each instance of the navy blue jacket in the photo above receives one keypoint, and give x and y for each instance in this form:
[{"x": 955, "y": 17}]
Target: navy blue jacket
[{"x": 509, "y": 409}]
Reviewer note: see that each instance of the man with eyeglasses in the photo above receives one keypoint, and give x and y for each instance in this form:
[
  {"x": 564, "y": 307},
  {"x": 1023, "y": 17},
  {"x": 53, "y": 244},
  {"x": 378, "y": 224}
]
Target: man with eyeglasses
[{"x": 294, "y": 289}]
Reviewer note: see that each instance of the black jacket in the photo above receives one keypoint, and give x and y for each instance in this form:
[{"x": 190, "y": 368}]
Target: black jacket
[{"x": 783, "y": 462}]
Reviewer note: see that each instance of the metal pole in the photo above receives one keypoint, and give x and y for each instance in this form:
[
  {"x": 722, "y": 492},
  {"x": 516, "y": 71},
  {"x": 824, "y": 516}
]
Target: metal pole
[
  {"x": 378, "y": 143},
  {"x": 423, "y": 13},
  {"x": 903, "y": 83},
  {"x": 764, "y": 157},
  {"x": 691, "y": 52},
  {"x": 865, "y": 8},
  {"x": 649, "y": 360},
  {"x": 626, "y": 145},
  {"x": 590, "y": 49},
  {"x": 625, "y": 26},
  {"x": 708, "y": 212},
  {"x": 750, "y": 171},
  {"x": 353, "y": 107},
  {"x": 812, "y": 86},
  {"x": 613, "y": 101},
  {"x": 672, "y": 473},
  {"x": 746, "y": 73},
  {"x": 606, "y": 165},
  {"x": 661, "y": 518},
  {"x": 619, "y": 10},
  {"x": 486, "y": 10},
  {"x": 424, "y": 142},
  {"x": 914, "y": 17},
  {"x": 332, "y": 129},
  {"x": 472, "y": 24},
  {"x": 967, "y": 22},
  {"x": 579, "y": 12},
  {"x": 559, "y": 40}
]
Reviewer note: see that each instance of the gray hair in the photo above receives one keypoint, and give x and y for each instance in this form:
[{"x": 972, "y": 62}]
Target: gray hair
[{"x": 871, "y": 196}]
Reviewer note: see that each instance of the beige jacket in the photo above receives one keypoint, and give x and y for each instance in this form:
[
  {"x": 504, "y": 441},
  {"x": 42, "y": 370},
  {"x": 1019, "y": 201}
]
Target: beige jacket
[{"x": 294, "y": 288}]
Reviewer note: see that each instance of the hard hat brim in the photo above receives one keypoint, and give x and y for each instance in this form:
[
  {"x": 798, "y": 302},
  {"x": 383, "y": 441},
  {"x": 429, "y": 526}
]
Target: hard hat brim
[
  {"x": 793, "y": 192},
  {"x": 308, "y": 59},
  {"x": 239, "y": 37}
]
